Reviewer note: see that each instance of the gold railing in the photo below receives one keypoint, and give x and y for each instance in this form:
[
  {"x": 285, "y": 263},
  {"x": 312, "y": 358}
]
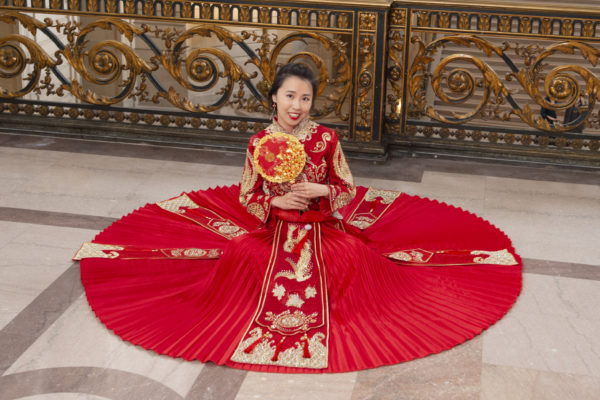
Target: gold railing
[
  {"x": 476, "y": 81},
  {"x": 425, "y": 76},
  {"x": 187, "y": 71}
]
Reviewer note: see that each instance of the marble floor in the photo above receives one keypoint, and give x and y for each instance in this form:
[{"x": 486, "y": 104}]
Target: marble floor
[{"x": 56, "y": 193}]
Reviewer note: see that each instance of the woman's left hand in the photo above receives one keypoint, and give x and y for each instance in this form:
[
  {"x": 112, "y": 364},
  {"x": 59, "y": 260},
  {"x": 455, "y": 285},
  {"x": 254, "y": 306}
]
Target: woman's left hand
[{"x": 311, "y": 190}]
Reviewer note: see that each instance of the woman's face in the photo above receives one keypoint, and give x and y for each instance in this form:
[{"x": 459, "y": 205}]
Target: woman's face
[{"x": 294, "y": 100}]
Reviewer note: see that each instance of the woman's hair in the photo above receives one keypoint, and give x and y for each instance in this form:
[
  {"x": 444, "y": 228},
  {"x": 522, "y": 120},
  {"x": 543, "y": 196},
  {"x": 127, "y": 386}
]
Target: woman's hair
[{"x": 292, "y": 69}]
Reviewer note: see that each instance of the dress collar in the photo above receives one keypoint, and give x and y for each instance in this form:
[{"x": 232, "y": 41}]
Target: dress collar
[{"x": 301, "y": 131}]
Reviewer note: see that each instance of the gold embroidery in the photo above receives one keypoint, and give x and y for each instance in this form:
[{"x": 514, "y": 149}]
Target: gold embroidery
[
  {"x": 177, "y": 204},
  {"x": 290, "y": 241},
  {"x": 388, "y": 196},
  {"x": 340, "y": 166},
  {"x": 97, "y": 250},
  {"x": 284, "y": 323},
  {"x": 416, "y": 255},
  {"x": 315, "y": 173},
  {"x": 303, "y": 131},
  {"x": 249, "y": 178},
  {"x": 294, "y": 300},
  {"x": 500, "y": 257},
  {"x": 292, "y": 357},
  {"x": 343, "y": 172},
  {"x": 366, "y": 219},
  {"x": 310, "y": 292},
  {"x": 208, "y": 218},
  {"x": 342, "y": 200},
  {"x": 302, "y": 268},
  {"x": 322, "y": 145},
  {"x": 228, "y": 228},
  {"x": 257, "y": 210},
  {"x": 188, "y": 252},
  {"x": 362, "y": 221},
  {"x": 278, "y": 291},
  {"x": 288, "y": 323}
]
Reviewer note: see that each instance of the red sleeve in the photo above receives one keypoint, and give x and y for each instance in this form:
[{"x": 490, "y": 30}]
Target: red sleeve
[
  {"x": 252, "y": 195},
  {"x": 341, "y": 183}
]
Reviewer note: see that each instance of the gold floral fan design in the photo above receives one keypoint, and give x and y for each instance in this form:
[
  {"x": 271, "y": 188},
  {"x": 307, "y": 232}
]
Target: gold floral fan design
[{"x": 279, "y": 157}]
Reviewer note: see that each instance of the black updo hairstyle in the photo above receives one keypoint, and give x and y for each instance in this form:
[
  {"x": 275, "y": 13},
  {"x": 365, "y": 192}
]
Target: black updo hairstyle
[{"x": 292, "y": 69}]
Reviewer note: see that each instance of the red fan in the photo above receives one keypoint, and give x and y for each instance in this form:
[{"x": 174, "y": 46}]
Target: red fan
[{"x": 279, "y": 157}]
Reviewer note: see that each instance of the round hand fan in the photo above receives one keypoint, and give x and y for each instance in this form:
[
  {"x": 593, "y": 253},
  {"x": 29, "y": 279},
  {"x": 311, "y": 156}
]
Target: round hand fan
[{"x": 279, "y": 157}]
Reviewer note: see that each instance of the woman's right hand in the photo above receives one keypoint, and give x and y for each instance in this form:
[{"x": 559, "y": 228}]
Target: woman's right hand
[{"x": 290, "y": 201}]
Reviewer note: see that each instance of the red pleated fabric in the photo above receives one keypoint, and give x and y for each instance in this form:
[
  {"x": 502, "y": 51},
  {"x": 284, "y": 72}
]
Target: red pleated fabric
[{"x": 381, "y": 313}]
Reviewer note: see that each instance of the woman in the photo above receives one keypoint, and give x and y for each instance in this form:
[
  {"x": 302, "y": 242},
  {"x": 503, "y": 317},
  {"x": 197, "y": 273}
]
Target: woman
[{"x": 314, "y": 275}]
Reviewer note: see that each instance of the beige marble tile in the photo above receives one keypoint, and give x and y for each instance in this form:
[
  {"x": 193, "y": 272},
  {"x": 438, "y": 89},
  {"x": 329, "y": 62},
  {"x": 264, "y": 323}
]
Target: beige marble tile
[
  {"x": 74, "y": 190},
  {"x": 9, "y": 231},
  {"x": 547, "y": 220},
  {"x": 297, "y": 386},
  {"x": 76, "y": 203},
  {"x": 560, "y": 296},
  {"x": 32, "y": 259},
  {"x": 201, "y": 170},
  {"x": 115, "y": 164},
  {"x": 501, "y": 383},
  {"x": 452, "y": 374},
  {"x": 18, "y": 167},
  {"x": 78, "y": 338},
  {"x": 65, "y": 396},
  {"x": 553, "y": 327}
]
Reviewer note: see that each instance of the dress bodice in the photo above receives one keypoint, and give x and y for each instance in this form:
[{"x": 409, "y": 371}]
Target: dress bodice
[{"x": 325, "y": 164}]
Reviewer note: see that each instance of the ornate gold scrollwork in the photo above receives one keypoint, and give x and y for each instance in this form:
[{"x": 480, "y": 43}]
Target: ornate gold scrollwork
[
  {"x": 458, "y": 85},
  {"x": 104, "y": 61},
  {"x": 365, "y": 99},
  {"x": 13, "y": 58},
  {"x": 116, "y": 62},
  {"x": 562, "y": 88}
]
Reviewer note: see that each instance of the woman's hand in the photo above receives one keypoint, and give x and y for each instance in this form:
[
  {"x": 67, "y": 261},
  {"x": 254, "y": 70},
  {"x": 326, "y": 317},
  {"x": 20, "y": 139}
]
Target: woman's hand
[
  {"x": 310, "y": 190},
  {"x": 291, "y": 201}
]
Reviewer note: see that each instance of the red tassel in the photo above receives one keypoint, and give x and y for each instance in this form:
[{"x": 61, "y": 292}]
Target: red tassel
[
  {"x": 278, "y": 349},
  {"x": 251, "y": 347},
  {"x": 306, "y": 351},
  {"x": 298, "y": 247}
]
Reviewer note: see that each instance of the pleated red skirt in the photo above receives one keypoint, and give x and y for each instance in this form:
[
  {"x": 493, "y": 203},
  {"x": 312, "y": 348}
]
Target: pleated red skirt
[{"x": 380, "y": 313}]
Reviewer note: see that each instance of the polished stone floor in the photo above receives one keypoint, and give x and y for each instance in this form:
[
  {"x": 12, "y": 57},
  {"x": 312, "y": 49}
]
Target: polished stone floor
[{"x": 57, "y": 193}]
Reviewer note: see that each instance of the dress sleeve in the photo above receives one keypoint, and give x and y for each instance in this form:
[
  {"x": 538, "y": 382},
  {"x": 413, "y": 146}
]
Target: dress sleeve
[
  {"x": 252, "y": 195},
  {"x": 341, "y": 183}
]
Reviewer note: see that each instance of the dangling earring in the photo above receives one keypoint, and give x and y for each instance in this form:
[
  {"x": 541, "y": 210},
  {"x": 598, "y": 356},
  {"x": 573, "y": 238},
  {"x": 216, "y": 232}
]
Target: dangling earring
[{"x": 274, "y": 109}]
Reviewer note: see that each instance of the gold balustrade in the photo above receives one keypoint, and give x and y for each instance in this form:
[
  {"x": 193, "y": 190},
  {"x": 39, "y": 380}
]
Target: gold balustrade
[{"x": 439, "y": 76}]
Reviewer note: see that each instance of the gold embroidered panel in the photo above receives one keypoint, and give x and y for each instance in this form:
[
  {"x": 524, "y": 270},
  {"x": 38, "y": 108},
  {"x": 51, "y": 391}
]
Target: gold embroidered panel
[{"x": 185, "y": 207}]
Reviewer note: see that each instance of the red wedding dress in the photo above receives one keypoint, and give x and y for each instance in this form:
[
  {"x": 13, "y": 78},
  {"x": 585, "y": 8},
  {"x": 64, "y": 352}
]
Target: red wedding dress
[{"x": 366, "y": 278}]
